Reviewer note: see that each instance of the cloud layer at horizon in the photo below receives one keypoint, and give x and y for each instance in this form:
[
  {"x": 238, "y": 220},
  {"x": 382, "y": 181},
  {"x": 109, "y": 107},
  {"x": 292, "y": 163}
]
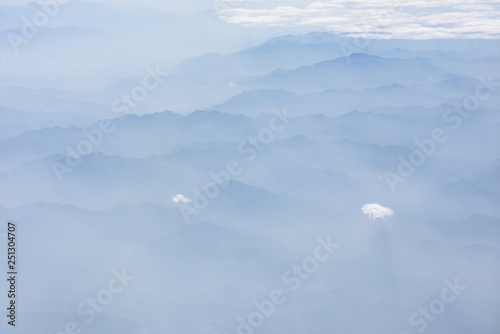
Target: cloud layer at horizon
[
  {"x": 408, "y": 19},
  {"x": 374, "y": 19}
]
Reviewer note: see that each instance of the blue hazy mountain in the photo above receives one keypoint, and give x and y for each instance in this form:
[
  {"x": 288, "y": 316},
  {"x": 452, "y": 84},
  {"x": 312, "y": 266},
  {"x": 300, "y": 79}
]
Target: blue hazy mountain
[
  {"x": 358, "y": 70},
  {"x": 252, "y": 152},
  {"x": 329, "y": 102}
]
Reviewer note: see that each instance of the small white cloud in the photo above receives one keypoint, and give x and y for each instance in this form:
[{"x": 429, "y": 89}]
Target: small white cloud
[
  {"x": 180, "y": 199},
  {"x": 376, "y": 211}
]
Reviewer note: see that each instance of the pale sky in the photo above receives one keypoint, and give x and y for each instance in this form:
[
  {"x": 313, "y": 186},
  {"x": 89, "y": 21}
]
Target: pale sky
[{"x": 172, "y": 6}]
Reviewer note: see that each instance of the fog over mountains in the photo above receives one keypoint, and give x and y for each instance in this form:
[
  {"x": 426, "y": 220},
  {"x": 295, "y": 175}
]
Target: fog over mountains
[{"x": 222, "y": 181}]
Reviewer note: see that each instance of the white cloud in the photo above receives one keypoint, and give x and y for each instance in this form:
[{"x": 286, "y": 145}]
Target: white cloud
[
  {"x": 180, "y": 199},
  {"x": 376, "y": 211},
  {"x": 374, "y": 18}
]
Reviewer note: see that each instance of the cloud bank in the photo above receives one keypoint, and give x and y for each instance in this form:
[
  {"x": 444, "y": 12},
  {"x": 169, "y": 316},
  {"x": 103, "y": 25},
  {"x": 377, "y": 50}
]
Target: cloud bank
[{"x": 374, "y": 19}]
